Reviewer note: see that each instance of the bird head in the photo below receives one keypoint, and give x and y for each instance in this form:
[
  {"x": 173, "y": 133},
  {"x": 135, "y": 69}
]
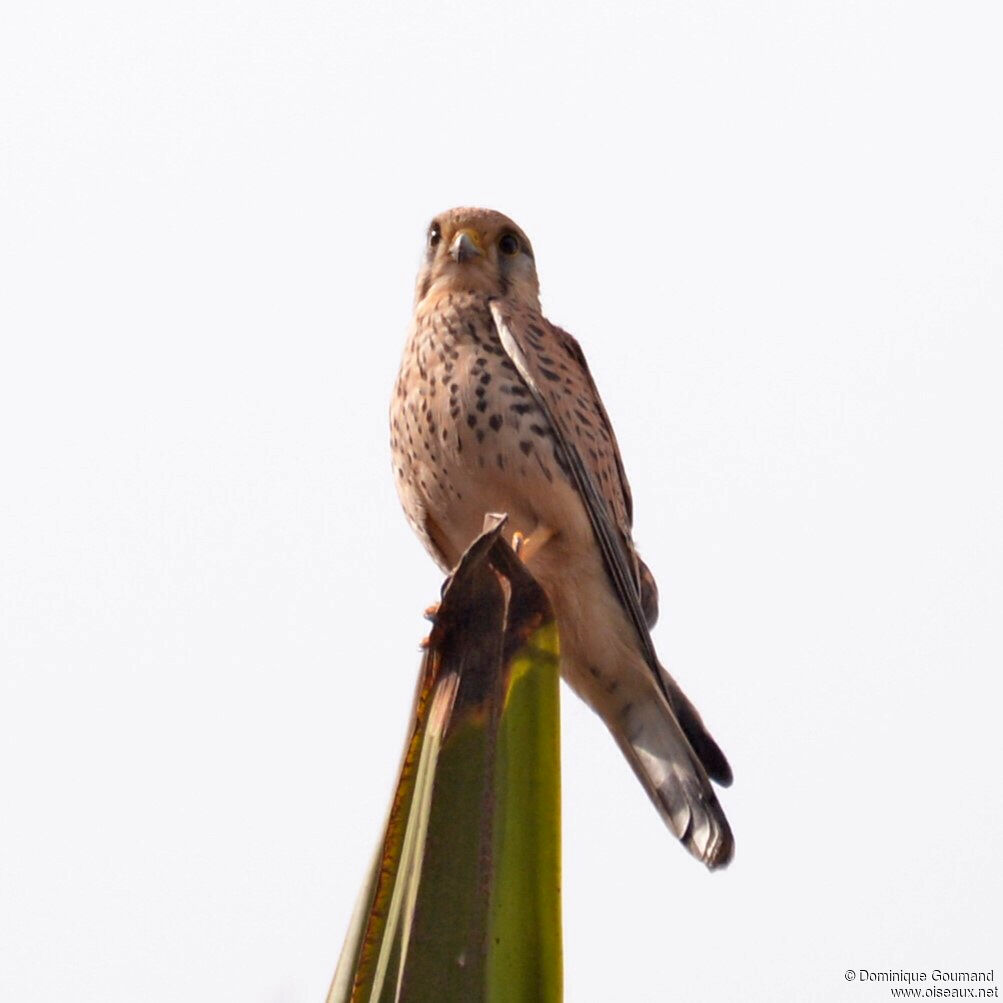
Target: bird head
[{"x": 478, "y": 251}]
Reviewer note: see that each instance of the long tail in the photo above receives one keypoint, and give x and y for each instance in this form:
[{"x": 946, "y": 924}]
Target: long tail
[
  {"x": 672, "y": 754},
  {"x": 708, "y": 751}
]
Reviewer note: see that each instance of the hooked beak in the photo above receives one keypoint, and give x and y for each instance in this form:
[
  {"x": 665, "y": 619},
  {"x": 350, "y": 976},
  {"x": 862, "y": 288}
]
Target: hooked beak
[{"x": 466, "y": 245}]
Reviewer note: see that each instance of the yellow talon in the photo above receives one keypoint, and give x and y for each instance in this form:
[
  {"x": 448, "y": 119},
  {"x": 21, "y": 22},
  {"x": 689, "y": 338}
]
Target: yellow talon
[{"x": 527, "y": 547}]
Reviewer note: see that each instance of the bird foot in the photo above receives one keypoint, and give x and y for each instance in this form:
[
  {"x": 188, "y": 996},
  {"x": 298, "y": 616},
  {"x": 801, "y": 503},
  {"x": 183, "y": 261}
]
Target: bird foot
[
  {"x": 432, "y": 615},
  {"x": 527, "y": 547}
]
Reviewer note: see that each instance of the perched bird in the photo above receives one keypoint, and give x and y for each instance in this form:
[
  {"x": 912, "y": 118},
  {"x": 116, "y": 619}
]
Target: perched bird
[{"x": 495, "y": 410}]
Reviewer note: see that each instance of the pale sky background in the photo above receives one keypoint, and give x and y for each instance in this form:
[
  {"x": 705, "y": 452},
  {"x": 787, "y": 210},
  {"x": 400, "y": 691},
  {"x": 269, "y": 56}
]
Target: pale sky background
[{"x": 777, "y": 230}]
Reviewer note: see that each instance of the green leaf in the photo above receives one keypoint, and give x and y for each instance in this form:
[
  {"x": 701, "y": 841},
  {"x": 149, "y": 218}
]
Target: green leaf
[{"x": 463, "y": 900}]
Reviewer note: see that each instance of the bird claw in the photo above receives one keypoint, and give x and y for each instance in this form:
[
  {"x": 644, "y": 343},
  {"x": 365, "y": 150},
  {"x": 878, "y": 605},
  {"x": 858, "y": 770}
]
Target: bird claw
[{"x": 527, "y": 547}]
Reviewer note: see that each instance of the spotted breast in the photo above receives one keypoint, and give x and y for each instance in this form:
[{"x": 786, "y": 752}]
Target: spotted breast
[{"x": 466, "y": 436}]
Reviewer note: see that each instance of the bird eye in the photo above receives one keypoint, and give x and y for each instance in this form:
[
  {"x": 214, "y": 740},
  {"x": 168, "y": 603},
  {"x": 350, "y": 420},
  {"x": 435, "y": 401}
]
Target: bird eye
[
  {"x": 509, "y": 244},
  {"x": 434, "y": 235}
]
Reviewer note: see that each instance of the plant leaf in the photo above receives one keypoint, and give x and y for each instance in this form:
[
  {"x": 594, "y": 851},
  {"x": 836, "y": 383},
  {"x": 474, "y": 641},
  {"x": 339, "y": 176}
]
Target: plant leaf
[{"x": 463, "y": 901}]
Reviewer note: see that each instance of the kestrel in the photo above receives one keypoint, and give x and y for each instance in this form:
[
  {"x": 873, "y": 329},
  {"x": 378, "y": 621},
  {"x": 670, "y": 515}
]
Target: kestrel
[{"x": 495, "y": 411}]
